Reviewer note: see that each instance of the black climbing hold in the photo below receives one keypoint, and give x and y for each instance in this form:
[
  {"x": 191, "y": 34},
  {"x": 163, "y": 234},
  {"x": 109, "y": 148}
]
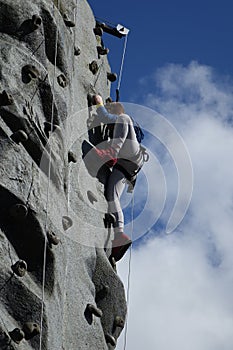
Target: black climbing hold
[
  {"x": 110, "y": 339},
  {"x": 62, "y": 81},
  {"x": 19, "y": 268},
  {"x": 36, "y": 21},
  {"x": 90, "y": 100},
  {"x": 112, "y": 77},
  {"x": 66, "y": 222},
  {"x": 119, "y": 322},
  {"x": 98, "y": 31},
  {"x": 19, "y": 136},
  {"x": 6, "y": 99},
  {"x": 109, "y": 220},
  {"x": 93, "y": 66},
  {"x": 102, "y": 51},
  {"x": 68, "y": 22},
  {"x": 94, "y": 310},
  {"x": 77, "y": 51},
  {"x": 31, "y": 329},
  {"x": 102, "y": 293},
  {"x": 72, "y": 157},
  {"x": 17, "y": 335},
  {"x": 92, "y": 197},
  {"x": 18, "y": 211},
  {"x": 29, "y": 72},
  {"x": 52, "y": 239}
]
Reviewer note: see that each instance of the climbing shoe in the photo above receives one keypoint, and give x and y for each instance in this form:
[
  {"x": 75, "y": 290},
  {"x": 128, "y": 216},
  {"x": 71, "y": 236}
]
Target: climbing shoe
[{"x": 120, "y": 245}]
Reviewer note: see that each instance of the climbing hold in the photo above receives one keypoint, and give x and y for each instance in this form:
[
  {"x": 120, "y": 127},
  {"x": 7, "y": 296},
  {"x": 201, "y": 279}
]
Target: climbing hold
[
  {"x": 66, "y": 222},
  {"x": 17, "y": 335},
  {"x": 6, "y": 99},
  {"x": 77, "y": 51},
  {"x": 19, "y": 268},
  {"x": 31, "y": 329},
  {"x": 93, "y": 66},
  {"x": 98, "y": 31},
  {"x": 119, "y": 322},
  {"x": 72, "y": 157},
  {"x": 52, "y": 239},
  {"x": 68, "y": 22},
  {"x": 102, "y": 293},
  {"x": 109, "y": 220},
  {"x": 36, "y": 21},
  {"x": 29, "y": 72},
  {"x": 62, "y": 81},
  {"x": 112, "y": 77},
  {"x": 90, "y": 100},
  {"x": 102, "y": 51},
  {"x": 113, "y": 263},
  {"x": 19, "y": 136},
  {"x": 110, "y": 339},
  {"x": 109, "y": 100},
  {"x": 18, "y": 211},
  {"x": 92, "y": 197},
  {"x": 94, "y": 310},
  {"x": 49, "y": 127}
]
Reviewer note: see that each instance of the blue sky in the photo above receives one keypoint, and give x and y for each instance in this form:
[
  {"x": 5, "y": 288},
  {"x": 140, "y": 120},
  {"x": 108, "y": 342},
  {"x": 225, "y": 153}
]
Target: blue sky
[
  {"x": 167, "y": 32},
  {"x": 179, "y": 62}
]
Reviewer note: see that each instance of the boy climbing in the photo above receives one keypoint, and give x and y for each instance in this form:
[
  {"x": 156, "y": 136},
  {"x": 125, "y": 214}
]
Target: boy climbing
[{"x": 123, "y": 154}]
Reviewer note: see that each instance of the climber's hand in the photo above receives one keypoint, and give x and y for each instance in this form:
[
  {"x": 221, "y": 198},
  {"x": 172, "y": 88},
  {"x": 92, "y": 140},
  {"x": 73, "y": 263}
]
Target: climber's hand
[{"x": 98, "y": 100}]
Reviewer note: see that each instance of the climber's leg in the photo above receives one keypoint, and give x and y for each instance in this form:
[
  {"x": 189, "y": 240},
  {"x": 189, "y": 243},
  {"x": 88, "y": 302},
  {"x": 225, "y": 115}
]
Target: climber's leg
[
  {"x": 115, "y": 187},
  {"x": 114, "y": 190}
]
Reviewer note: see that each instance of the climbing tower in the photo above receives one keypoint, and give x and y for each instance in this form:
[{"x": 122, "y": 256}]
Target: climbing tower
[{"x": 58, "y": 289}]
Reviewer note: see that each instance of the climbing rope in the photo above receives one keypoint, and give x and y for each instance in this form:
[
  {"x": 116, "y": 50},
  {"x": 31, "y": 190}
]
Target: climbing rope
[
  {"x": 129, "y": 272},
  {"x": 48, "y": 188},
  {"x": 122, "y": 65},
  {"x": 98, "y": 75}
]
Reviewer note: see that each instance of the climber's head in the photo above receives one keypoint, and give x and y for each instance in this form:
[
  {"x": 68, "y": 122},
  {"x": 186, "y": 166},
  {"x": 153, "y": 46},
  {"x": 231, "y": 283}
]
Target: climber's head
[{"x": 115, "y": 108}]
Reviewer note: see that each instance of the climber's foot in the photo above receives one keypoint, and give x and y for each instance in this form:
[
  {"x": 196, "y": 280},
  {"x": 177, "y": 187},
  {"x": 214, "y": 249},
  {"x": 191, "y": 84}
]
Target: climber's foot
[{"x": 120, "y": 245}]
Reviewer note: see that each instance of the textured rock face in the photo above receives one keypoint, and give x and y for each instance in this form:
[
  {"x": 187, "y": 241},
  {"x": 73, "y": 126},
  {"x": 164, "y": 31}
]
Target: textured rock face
[{"x": 45, "y": 79}]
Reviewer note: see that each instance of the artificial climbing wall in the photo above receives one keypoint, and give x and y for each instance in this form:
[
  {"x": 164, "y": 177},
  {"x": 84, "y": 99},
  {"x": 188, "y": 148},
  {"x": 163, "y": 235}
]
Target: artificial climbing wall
[{"x": 58, "y": 290}]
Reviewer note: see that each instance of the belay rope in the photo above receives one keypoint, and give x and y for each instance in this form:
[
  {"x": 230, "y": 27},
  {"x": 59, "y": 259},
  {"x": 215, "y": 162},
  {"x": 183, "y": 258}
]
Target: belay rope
[
  {"x": 48, "y": 188},
  {"x": 121, "y": 69},
  {"x": 129, "y": 273}
]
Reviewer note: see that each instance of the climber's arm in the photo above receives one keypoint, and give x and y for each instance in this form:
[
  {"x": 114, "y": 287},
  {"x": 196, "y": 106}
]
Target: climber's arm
[{"x": 102, "y": 113}]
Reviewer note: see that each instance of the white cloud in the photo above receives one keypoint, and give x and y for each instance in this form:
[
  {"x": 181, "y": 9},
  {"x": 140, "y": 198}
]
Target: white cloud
[{"x": 182, "y": 284}]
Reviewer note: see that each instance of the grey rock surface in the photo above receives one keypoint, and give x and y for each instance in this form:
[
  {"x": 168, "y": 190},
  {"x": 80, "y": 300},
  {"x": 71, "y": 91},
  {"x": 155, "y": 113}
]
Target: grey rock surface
[{"x": 44, "y": 85}]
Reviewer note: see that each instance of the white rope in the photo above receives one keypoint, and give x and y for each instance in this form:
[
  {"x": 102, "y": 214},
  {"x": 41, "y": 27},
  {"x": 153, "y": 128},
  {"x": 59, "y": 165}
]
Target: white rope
[
  {"x": 122, "y": 62},
  {"x": 47, "y": 197},
  {"x": 129, "y": 273}
]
